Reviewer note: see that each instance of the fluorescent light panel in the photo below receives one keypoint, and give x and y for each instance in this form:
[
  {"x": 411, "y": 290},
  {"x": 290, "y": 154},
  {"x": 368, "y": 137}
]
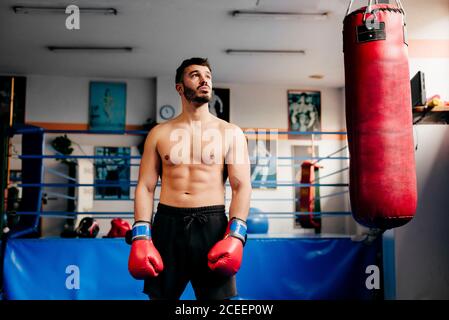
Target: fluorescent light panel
[
  {"x": 278, "y": 15},
  {"x": 263, "y": 52},
  {"x": 89, "y": 49},
  {"x": 60, "y": 10}
]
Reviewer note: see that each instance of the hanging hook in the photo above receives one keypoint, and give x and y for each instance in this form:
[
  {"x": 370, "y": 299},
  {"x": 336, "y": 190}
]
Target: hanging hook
[
  {"x": 368, "y": 10},
  {"x": 399, "y": 4},
  {"x": 349, "y": 7}
]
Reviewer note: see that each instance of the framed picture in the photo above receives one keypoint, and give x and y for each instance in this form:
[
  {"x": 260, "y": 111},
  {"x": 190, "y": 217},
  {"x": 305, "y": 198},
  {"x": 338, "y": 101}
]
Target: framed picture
[
  {"x": 304, "y": 111},
  {"x": 263, "y": 156},
  {"x": 219, "y": 104},
  {"x": 112, "y": 171},
  {"x": 107, "y": 106}
]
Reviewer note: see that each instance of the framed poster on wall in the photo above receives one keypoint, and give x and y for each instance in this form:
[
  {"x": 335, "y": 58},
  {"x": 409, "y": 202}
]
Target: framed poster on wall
[
  {"x": 115, "y": 171},
  {"x": 107, "y": 106},
  {"x": 219, "y": 104},
  {"x": 263, "y": 159},
  {"x": 304, "y": 112}
]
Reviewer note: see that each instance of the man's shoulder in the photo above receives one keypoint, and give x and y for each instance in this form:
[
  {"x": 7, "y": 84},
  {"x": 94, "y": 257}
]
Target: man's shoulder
[
  {"x": 164, "y": 129},
  {"x": 160, "y": 127},
  {"x": 228, "y": 125},
  {"x": 157, "y": 131},
  {"x": 233, "y": 130},
  {"x": 154, "y": 130}
]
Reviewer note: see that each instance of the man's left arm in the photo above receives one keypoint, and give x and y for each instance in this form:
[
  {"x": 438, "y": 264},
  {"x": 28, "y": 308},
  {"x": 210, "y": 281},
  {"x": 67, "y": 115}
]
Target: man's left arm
[
  {"x": 239, "y": 173},
  {"x": 226, "y": 255}
]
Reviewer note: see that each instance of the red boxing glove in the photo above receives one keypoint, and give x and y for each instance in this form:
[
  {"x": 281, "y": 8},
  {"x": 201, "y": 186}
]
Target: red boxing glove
[
  {"x": 225, "y": 256},
  {"x": 119, "y": 228},
  {"x": 144, "y": 259}
]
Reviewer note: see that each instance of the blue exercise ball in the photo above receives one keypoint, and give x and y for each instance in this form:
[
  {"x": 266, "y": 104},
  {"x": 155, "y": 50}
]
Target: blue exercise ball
[{"x": 257, "y": 222}]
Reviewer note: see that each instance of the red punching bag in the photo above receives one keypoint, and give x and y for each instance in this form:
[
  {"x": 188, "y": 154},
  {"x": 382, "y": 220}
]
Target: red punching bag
[{"x": 382, "y": 178}]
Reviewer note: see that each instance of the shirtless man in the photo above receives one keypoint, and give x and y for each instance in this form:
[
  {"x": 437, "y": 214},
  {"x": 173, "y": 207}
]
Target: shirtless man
[{"x": 190, "y": 237}]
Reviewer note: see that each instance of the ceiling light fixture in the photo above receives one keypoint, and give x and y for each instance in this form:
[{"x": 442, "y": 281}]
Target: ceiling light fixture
[
  {"x": 61, "y": 10},
  {"x": 279, "y": 15},
  {"x": 89, "y": 49},
  {"x": 263, "y": 52}
]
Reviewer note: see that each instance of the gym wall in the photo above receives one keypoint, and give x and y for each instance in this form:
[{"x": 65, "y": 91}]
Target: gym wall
[
  {"x": 422, "y": 257},
  {"x": 64, "y": 101}
]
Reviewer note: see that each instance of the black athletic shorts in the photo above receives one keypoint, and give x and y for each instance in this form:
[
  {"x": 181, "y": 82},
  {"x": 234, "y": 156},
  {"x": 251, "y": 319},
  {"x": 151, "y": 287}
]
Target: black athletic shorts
[{"x": 183, "y": 237}]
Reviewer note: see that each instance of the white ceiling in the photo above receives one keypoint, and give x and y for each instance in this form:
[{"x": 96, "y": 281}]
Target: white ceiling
[{"x": 164, "y": 32}]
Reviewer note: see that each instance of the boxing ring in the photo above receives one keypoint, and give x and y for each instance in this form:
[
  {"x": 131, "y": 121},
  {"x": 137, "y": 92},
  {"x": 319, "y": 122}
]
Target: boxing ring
[{"x": 274, "y": 266}]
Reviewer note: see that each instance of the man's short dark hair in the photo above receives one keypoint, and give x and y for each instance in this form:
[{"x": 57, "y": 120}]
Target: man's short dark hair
[{"x": 189, "y": 62}]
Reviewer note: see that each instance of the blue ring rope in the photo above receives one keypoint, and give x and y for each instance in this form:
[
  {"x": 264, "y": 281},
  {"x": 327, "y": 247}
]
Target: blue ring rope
[{"x": 144, "y": 132}]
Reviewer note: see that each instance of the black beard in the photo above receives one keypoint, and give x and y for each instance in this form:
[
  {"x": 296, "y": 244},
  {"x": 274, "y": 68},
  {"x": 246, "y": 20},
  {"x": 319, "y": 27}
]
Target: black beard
[{"x": 191, "y": 96}]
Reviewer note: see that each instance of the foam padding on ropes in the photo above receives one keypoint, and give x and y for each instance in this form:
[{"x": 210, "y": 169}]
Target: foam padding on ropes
[{"x": 272, "y": 268}]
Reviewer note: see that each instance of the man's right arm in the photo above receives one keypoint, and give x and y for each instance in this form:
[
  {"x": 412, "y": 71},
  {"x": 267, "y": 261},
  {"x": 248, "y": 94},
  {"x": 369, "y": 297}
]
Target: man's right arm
[
  {"x": 150, "y": 165},
  {"x": 144, "y": 259}
]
